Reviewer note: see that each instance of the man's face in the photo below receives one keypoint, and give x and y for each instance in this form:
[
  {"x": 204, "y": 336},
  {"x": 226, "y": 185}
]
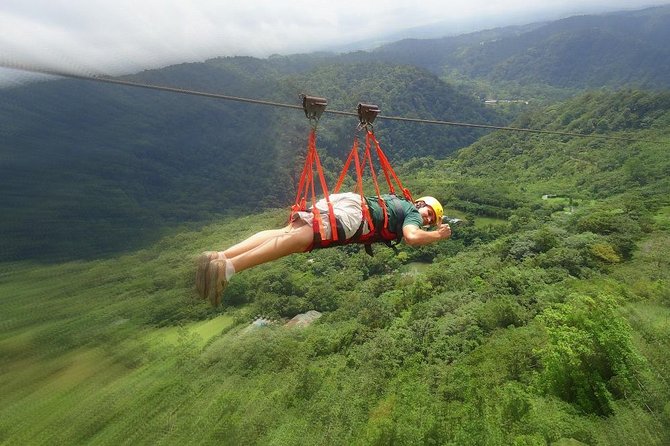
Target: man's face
[{"x": 428, "y": 215}]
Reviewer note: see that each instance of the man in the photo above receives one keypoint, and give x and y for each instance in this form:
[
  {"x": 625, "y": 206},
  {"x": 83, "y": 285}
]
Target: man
[{"x": 215, "y": 269}]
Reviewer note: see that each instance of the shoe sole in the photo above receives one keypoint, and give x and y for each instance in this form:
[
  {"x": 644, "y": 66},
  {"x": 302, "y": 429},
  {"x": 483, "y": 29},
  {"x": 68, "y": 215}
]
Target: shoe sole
[
  {"x": 201, "y": 272},
  {"x": 214, "y": 281}
]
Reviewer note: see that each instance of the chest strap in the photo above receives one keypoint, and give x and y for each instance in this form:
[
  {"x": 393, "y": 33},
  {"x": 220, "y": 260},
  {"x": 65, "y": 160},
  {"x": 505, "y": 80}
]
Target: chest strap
[{"x": 382, "y": 233}]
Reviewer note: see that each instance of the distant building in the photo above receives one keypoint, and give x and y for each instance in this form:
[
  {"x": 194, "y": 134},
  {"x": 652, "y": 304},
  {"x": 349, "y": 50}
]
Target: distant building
[{"x": 505, "y": 101}]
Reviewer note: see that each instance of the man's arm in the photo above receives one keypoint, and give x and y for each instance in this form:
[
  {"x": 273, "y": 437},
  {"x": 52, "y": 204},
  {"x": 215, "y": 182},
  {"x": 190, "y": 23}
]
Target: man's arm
[{"x": 415, "y": 236}]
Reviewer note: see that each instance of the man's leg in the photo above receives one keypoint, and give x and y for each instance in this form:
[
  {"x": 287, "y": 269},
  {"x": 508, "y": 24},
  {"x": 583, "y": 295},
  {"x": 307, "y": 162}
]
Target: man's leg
[
  {"x": 253, "y": 241},
  {"x": 204, "y": 259},
  {"x": 274, "y": 245},
  {"x": 296, "y": 240}
]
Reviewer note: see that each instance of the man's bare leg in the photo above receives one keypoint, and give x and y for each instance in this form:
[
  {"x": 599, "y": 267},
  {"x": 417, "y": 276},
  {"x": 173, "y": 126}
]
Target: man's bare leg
[
  {"x": 280, "y": 244},
  {"x": 253, "y": 241},
  {"x": 202, "y": 262},
  {"x": 258, "y": 249}
]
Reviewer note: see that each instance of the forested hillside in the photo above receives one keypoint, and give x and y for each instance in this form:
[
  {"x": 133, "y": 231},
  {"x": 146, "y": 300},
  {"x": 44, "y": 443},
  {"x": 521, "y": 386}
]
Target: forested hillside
[
  {"x": 543, "y": 321},
  {"x": 92, "y": 169},
  {"x": 588, "y": 167},
  {"x": 594, "y": 51}
]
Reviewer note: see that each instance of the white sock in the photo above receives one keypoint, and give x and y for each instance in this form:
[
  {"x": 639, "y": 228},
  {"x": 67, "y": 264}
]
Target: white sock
[{"x": 230, "y": 270}]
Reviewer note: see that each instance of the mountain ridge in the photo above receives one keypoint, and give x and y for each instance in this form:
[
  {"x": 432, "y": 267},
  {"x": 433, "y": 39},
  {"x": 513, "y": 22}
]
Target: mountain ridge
[
  {"x": 477, "y": 54},
  {"x": 90, "y": 169}
]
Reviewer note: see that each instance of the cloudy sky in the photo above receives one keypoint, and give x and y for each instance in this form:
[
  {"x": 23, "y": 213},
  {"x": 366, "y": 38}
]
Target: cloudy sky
[{"x": 121, "y": 36}]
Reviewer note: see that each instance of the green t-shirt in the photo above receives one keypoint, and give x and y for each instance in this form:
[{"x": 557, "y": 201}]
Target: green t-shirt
[{"x": 412, "y": 216}]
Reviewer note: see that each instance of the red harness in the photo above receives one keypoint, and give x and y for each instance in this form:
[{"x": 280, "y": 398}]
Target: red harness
[{"x": 306, "y": 187}]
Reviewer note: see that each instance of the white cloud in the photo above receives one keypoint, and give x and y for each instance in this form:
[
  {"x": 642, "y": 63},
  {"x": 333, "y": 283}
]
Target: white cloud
[{"x": 114, "y": 36}]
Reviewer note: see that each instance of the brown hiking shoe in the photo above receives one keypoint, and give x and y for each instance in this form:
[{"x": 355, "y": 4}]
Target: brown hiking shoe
[
  {"x": 202, "y": 265},
  {"x": 216, "y": 281}
]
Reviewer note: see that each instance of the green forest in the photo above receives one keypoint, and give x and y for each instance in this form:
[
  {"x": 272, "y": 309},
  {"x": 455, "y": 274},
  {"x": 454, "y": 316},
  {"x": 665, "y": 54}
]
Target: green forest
[
  {"x": 543, "y": 321},
  {"x": 93, "y": 169}
]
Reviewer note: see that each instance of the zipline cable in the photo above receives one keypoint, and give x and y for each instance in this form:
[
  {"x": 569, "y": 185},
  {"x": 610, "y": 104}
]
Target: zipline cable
[{"x": 128, "y": 83}]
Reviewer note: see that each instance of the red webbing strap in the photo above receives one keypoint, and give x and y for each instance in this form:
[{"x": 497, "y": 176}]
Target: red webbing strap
[
  {"x": 331, "y": 213},
  {"x": 345, "y": 169},
  {"x": 388, "y": 170},
  {"x": 353, "y": 155},
  {"x": 380, "y": 200},
  {"x": 301, "y": 193},
  {"x": 359, "y": 186},
  {"x": 367, "y": 158},
  {"x": 306, "y": 185},
  {"x": 317, "y": 223},
  {"x": 383, "y": 165}
]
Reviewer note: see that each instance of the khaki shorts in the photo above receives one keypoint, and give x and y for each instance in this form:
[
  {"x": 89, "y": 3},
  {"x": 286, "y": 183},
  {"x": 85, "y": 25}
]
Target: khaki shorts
[{"x": 346, "y": 206}]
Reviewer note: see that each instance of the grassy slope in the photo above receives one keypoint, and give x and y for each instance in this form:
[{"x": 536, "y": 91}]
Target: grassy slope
[{"x": 81, "y": 349}]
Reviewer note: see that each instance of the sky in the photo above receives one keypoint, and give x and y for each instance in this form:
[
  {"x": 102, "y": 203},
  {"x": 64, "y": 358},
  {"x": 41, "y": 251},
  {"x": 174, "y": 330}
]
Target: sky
[{"x": 125, "y": 36}]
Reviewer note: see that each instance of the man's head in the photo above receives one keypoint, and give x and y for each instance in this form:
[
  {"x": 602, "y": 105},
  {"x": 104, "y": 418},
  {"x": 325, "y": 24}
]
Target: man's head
[{"x": 430, "y": 209}]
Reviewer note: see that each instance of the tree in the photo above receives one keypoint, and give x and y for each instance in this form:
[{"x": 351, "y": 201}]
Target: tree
[{"x": 590, "y": 359}]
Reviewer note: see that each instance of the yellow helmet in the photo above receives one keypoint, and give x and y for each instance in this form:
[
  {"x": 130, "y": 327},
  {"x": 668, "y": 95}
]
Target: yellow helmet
[{"x": 434, "y": 205}]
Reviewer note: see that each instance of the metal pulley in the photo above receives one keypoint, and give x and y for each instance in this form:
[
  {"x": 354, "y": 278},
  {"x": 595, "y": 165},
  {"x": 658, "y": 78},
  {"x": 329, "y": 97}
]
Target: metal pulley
[
  {"x": 313, "y": 106},
  {"x": 367, "y": 113}
]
